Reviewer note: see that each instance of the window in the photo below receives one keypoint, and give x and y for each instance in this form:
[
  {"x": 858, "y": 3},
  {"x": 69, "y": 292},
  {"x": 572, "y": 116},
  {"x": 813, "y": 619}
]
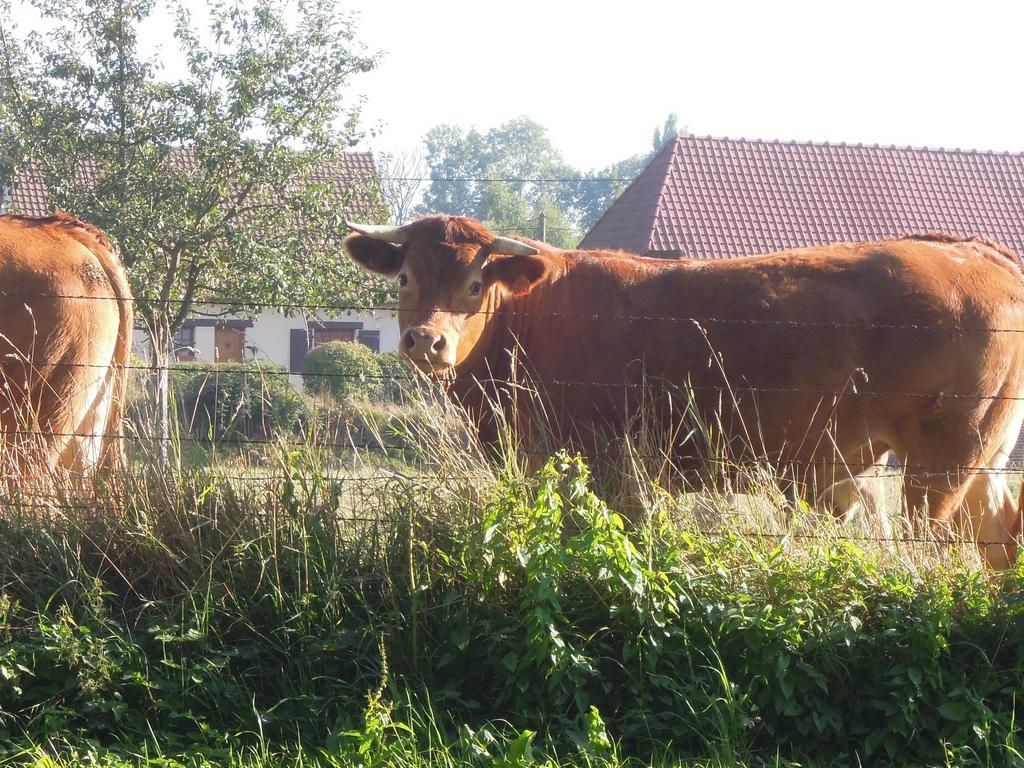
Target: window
[
  {"x": 370, "y": 339},
  {"x": 185, "y": 344},
  {"x": 325, "y": 335}
]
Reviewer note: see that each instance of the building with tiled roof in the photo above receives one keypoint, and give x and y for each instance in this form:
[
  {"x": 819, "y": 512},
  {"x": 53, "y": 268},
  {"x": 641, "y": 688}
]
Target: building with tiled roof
[
  {"x": 710, "y": 198},
  {"x": 270, "y": 335},
  {"x": 27, "y": 193}
]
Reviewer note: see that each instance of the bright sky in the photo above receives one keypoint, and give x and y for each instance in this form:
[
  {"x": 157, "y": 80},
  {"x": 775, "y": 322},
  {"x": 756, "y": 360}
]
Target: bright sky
[{"x": 600, "y": 75}]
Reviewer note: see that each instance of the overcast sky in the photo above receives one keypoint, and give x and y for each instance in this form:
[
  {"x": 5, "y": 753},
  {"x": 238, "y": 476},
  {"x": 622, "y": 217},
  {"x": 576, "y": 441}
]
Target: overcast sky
[{"x": 600, "y": 75}]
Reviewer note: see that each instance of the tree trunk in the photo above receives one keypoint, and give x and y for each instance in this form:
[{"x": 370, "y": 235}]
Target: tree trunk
[{"x": 160, "y": 392}]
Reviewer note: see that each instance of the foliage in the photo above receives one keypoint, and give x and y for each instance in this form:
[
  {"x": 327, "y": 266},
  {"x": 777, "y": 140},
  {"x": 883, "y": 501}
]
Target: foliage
[
  {"x": 398, "y": 377},
  {"x": 527, "y": 621},
  {"x": 234, "y": 400},
  {"x": 342, "y": 369},
  {"x": 667, "y": 132},
  {"x": 606, "y": 184},
  {"x": 488, "y": 176},
  {"x": 213, "y": 184}
]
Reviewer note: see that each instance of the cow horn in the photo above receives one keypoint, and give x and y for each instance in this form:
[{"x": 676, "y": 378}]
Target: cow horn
[
  {"x": 508, "y": 247},
  {"x": 396, "y": 235}
]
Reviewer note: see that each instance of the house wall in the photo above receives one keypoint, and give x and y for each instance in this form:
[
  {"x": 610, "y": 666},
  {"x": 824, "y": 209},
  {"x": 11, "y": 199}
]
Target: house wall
[{"x": 268, "y": 336}]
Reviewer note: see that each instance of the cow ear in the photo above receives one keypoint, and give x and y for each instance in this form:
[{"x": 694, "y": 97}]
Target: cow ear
[
  {"x": 374, "y": 255},
  {"x": 516, "y": 274}
]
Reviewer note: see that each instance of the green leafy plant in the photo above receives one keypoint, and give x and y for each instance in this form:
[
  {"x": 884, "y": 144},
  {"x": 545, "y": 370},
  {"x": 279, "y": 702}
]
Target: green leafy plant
[
  {"x": 398, "y": 379},
  {"x": 512, "y": 618},
  {"x": 342, "y": 369},
  {"x": 230, "y": 400}
]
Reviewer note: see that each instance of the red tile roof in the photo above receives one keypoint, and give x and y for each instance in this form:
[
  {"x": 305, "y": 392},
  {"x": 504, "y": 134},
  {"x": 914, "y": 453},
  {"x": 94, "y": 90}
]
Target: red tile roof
[
  {"x": 716, "y": 198},
  {"x": 28, "y": 193}
]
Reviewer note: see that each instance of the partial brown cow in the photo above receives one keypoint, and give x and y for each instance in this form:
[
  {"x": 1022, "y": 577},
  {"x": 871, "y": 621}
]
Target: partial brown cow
[
  {"x": 65, "y": 339},
  {"x": 913, "y": 346}
]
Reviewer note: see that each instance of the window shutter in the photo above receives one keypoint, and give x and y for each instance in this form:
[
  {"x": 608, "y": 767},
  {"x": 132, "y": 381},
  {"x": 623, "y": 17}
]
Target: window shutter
[
  {"x": 370, "y": 339},
  {"x": 297, "y": 348}
]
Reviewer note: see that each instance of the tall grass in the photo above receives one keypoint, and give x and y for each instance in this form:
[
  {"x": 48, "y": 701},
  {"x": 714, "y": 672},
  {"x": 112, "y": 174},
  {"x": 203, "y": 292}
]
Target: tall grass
[{"x": 442, "y": 604}]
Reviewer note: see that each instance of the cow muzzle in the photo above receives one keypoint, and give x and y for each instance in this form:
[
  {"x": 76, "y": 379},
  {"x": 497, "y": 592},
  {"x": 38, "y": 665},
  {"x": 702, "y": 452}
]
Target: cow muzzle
[{"x": 427, "y": 349}]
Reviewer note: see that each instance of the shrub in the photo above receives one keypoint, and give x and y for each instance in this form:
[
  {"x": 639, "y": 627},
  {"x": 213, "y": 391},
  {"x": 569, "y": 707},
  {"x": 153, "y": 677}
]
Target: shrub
[
  {"x": 397, "y": 378},
  {"x": 341, "y": 369},
  {"x": 525, "y": 608},
  {"x": 230, "y": 400}
]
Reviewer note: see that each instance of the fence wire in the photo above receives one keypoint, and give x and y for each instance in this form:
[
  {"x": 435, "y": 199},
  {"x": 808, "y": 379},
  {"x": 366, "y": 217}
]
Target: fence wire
[
  {"x": 392, "y": 308},
  {"x": 215, "y": 370},
  {"x": 842, "y": 469}
]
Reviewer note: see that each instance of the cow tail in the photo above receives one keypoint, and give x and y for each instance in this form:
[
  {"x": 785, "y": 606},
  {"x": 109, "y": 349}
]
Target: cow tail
[{"x": 113, "y": 455}]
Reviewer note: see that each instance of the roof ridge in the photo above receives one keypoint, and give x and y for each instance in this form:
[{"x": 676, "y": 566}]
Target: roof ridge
[
  {"x": 623, "y": 197},
  {"x": 671, "y": 147},
  {"x": 714, "y": 198},
  {"x": 853, "y": 145},
  {"x": 29, "y": 195}
]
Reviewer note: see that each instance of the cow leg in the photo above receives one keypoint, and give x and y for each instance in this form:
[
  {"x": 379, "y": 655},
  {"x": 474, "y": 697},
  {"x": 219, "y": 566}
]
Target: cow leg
[
  {"x": 853, "y": 489},
  {"x": 990, "y": 517},
  {"x": 791, "y": 493},
  {"x": 990, "y": 511},
  {"x": 937, "y": 476},
  {"x": 861, "y": 500},
  {"x": 33, "y": 421},
  {"x": 856, "y": 499}
]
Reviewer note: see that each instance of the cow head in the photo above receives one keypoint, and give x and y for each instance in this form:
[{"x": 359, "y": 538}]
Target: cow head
[{"x": 452, "y": 273}]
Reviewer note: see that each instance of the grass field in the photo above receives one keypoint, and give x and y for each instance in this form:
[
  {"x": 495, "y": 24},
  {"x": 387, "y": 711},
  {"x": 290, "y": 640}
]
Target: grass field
[{"x": 298, "y": 605}]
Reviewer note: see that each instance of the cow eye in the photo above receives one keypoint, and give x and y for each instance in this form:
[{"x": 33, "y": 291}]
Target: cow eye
[
  {"x": 403, "y": 279},
  {"x": 475, "y": 288}
]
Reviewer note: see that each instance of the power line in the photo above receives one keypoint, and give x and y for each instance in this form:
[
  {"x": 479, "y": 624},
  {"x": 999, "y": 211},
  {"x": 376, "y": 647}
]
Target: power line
[{"x": 509, "y": 180}]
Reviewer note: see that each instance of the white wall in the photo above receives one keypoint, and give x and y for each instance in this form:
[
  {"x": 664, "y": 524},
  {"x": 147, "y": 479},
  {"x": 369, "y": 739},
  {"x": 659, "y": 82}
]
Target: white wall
[
  {"x": 269, "y": 337},
  {"x": 270, "y": 334}
]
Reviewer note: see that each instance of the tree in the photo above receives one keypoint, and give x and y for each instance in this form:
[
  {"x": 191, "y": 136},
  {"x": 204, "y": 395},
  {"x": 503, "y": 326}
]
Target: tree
[
  {"x": 608, "y": 183},
  {"x": 505, "y": 177},
  {"x": 559, "y": 230},
  {"x": 217, "y": 184},
  {"x": 455, "y": 162},
  {"x": 401, "y": 179},
  {"x": 665, "y": 134},
  {"x": 504, "y": 210},
  {"x": 511, "y": 174}
]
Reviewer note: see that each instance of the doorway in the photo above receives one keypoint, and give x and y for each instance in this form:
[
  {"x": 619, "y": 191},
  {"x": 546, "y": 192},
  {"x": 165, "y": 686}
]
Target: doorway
[{"x": 230, "y": 344}]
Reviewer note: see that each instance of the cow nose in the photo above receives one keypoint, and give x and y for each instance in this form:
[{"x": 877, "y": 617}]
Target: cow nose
[{"x": 421, "y": 344}]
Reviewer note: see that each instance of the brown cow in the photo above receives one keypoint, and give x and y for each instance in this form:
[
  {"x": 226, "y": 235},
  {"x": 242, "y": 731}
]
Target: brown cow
[
  {"x": 65, "y": 339},
  {"x": 913, "y": 346}
]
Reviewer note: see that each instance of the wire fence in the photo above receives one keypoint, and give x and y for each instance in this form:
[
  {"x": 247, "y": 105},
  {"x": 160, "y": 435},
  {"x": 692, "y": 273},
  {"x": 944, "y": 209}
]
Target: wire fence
[
  {"x": 852, "y": 387},
  {"x": 392, "y": 308}
]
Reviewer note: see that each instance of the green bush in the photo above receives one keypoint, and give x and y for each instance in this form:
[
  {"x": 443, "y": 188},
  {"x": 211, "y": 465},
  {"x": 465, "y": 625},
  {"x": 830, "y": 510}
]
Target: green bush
[
  {"x": 341, "y": 369},
  {"x": 530, "y": 612},
  {"x": 397, "y": 378},
  {"x": 231, "y": 400}
]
